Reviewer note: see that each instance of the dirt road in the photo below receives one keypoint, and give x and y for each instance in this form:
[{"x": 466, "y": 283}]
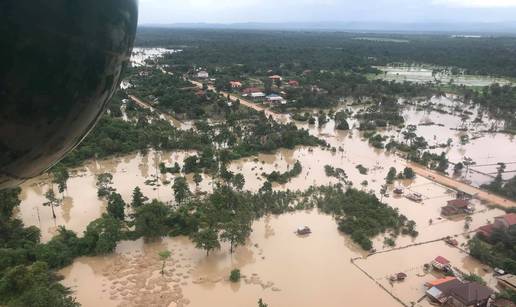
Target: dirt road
[{"x": 461, "y": 186}]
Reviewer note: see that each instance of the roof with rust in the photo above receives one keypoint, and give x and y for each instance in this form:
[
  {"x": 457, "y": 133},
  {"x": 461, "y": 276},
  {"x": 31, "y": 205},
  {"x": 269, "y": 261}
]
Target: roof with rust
[{"x": 470, "y": 293}]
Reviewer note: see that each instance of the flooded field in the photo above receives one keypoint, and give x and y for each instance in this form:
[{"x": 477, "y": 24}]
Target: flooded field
[
  {"x": 424, "y": 74},
  {"x": 308, "y": 271}
]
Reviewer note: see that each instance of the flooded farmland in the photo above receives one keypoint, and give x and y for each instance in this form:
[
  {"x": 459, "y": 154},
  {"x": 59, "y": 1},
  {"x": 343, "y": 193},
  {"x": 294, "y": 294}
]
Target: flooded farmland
[{"x": 421, "y": 74}]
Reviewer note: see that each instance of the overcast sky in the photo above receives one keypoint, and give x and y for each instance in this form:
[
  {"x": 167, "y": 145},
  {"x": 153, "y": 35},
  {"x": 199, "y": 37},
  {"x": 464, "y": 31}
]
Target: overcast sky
[{"x": 237, "y": 11}]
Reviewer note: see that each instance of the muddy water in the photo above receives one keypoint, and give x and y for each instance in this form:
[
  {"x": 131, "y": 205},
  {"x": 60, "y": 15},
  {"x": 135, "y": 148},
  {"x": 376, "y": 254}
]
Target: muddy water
[
  {"x": 423, "y": 75},
  {"x": 308, "y": 271},
  {"x": 80, "y": 203},
  {"x": 278, "y": 266},
  {"x": 411, "y": 262}
]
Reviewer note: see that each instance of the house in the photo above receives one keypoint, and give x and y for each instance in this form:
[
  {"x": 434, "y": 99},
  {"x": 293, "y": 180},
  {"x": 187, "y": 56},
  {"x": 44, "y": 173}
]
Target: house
[
  {"x": 440, "y": 289},
  {"x": 258, "y": 95},
  {"x": 235, "y": 84},
  {"x": 503, "y": 222},
  {"x": 203, "y": 74},
  {"x": 470, "y": 294},
  {"x": 273, "y": 98},
  {"x": 507, "y": 281},
  {"x": 441, "y": 263},
  {"x": 276, "y": 77},
  {"x": 457, "y": 206},
  {"x": 293, "y": 83},
  {"x": 452, "y": 292},
  {"x": 249, "y": 90}
]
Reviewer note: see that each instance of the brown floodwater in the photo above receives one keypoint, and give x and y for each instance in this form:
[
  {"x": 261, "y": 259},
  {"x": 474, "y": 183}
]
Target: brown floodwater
[
  {"x": 277, "y": 265},
  {"x": 307, "y": 271}
]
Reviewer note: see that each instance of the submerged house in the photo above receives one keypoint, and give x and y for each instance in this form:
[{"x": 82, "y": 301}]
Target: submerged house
[
  {"x": 450, "y": 291},
  {"x": 457, "y": 206},
  {"x": 439, "y": 290},
  {"x": 470, "y": 294},
  {"x": 304, "y": 230},
  {"x": 503, "y": 222},
  {"x": 441, "y": 263}
]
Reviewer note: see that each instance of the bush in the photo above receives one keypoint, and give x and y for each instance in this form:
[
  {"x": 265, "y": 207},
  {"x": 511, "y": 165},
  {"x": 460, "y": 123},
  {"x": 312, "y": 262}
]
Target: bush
[{"x": 234, "y": 276}]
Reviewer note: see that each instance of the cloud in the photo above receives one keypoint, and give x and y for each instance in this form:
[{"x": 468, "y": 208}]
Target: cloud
[{"x": 477, "y": 3}]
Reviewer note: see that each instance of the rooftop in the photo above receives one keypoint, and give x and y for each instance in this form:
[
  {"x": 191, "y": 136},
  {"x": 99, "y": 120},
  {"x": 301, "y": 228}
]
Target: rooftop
[
  {"x": 442, "y": 260},
  {"x": 508, "y": 218},
  {"x": 471, "y": 292}
]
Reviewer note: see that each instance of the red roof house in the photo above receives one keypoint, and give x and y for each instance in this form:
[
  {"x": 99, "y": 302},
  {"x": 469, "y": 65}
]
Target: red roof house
[
  {"x": 293, "y": 83},
  {"x": 456, "y": 206},
  {"x": 440, "y": 263},
  {"x": 503, "y": 222}
]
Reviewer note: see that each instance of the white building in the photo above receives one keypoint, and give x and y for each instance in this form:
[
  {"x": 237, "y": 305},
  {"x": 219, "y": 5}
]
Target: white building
[{"x": 203, "y": 74}]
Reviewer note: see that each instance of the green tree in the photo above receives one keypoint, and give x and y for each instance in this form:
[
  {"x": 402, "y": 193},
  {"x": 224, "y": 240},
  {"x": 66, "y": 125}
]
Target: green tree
[
  {"x": 52, "y": 201},
  {"x": 150, "y": 220},
  {"x": 391, "y": 175},
  {"x": 236, "y": 231},
  {"x": 197, "y": 178},
  {"x": 101, "y": 236},
  {"x": 104, "y": 182},
  {"x": 164, "y": 255},
  {"x": 116, "y": 206},
  {"x": 9, "y": 199},
  {"x": 238, "y": 181},
  {"x": 181, "y": 190},
  {"x": 138, "y": 198},
  {"x": 207, "y": 239},
  {"x": 60, "y": 177},
  {"x": 408, "y": 173}
]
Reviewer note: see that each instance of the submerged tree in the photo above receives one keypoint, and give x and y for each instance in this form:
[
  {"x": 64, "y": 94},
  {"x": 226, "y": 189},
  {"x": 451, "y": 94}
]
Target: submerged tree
[
  {"x": 60, "y": 177},
  {"x": 116, "y": 206},
  {"x": 207, "y": 239},
  {"x": 52, "y": 201},
  {"x": 181, "y": 190},
  {"x": 164, "y": 255},
  {"x": 104, "y": 182}
]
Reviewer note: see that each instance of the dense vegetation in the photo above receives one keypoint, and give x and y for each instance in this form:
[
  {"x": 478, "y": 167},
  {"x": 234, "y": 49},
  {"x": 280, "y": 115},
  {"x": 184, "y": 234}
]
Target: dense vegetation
[
  {"x": 284, "y": 51},
  {"x": 243, "y": 133}
]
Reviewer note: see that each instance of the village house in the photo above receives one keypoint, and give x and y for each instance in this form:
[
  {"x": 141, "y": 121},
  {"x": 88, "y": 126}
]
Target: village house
[
  {"x": 470, "y": 294},
  {"x": 456, "y": 206},
  {"x": 275, "y": 78},
  {"x": 273, "y": 98},
  {"x": 249, "y": 90},
  {"x": 203, "y": 74},
  {"x": 293, "y": 83},
  {"x": 441, "y": 263},
  {"x": 235, "y": 84},
  {"x": 440, "y": 289},
  {"x": 450, "y": 291},
  {"x": 503, "y": 222},
  {"x": 258, "y": 95}
]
